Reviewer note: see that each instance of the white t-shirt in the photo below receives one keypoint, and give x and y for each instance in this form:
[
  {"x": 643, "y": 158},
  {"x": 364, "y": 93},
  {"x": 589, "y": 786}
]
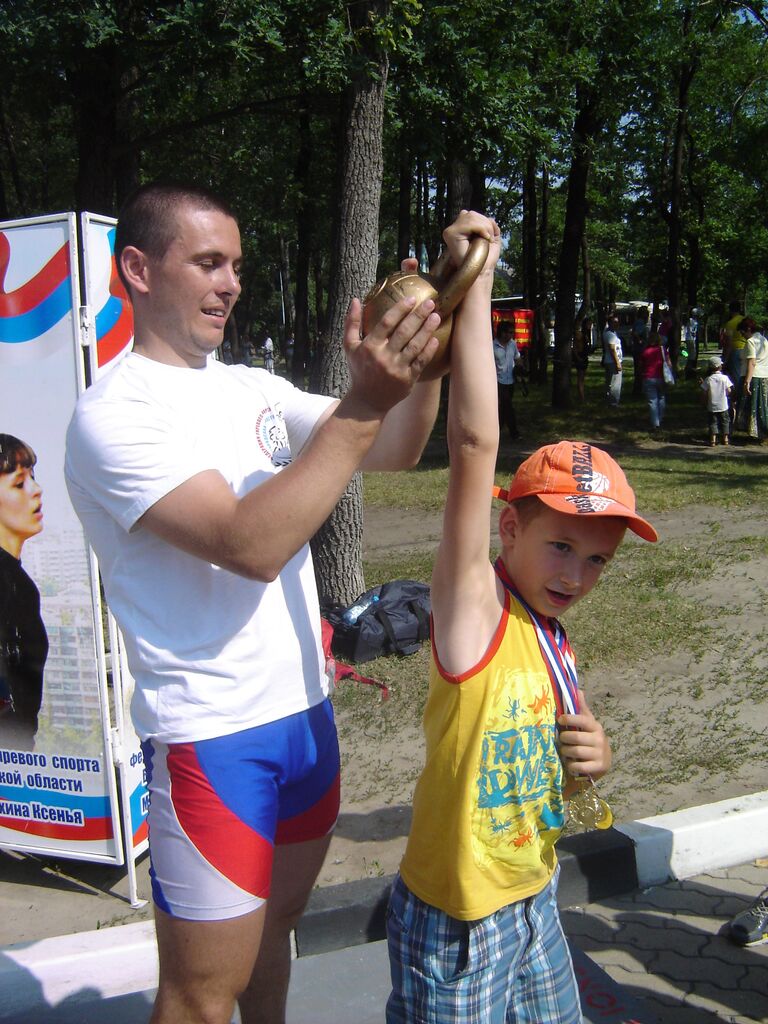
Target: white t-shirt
[
  {"x": 506, "y": 357},
  {"x": 211, "y": 652},
  {"x": 612, "y": 354},
  {"x": 716, "y": 386},
  {"x": 756, "y": 348}
]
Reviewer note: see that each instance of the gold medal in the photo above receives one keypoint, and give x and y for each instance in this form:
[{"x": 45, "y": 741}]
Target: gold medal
[
  {"x": 587, "y": 809},
  {"x": 606, "y": 818}
]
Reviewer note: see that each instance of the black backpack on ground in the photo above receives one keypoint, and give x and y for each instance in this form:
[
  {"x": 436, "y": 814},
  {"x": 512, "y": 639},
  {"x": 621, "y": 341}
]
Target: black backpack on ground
[{"x": 394, "y": 621}]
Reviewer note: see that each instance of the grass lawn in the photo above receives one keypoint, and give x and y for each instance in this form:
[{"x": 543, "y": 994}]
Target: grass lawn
[
  {"x": 671, "y": 471},
  {"x": 645, "y": 589}
]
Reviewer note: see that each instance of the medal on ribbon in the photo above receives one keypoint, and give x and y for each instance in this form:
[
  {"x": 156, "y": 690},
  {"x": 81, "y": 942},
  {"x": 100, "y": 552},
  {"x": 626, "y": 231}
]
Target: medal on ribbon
[{"x": 586, "y": 807}]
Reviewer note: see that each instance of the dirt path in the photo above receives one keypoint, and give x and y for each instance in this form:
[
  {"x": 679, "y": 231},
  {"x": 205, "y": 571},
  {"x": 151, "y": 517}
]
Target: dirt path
[{"x": 687, "y": 728}]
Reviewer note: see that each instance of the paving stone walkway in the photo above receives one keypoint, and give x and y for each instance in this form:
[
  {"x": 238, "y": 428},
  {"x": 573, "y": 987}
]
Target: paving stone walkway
[{"x": 667, "y": 947}]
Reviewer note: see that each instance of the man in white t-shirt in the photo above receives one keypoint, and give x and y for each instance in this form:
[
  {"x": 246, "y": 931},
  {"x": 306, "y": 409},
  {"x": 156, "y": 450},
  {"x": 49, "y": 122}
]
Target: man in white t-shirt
[
  {"x": 612, "y": 357},
  {"x": 269, "y": 354},
  {"x": 199, "y": 486},
  {"x": 506, "y": 357}
]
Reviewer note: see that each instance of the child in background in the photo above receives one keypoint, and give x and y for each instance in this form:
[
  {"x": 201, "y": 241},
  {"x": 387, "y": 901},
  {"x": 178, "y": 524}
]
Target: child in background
[
  {"x": 717, "y": 388},
  {"x": 473, "y": 927}
]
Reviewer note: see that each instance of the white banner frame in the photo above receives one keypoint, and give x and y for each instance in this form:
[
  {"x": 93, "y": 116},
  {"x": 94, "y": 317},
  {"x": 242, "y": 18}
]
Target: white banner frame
[{"x": 120, "y": 746}]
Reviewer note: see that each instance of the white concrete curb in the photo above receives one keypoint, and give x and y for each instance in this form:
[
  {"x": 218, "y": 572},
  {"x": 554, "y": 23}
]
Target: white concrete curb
[
  {"x": 118, "y": 961},
  {"x": 699, "y": 839},
  {"x": 87, "y": 966}
]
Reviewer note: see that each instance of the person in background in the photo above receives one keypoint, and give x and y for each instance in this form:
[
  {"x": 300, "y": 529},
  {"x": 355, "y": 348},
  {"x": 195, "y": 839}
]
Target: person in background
[
  {"x": 612, "y": 361},
  {"x": 717, "y": 388},
  {"x": 690, "y": 341},
  {"x": 755, "y": 388},
  {"x": 731, "y": 342},
  {"x": 580, "y": 354},
  {"x": 23, "y": 638},
  {"x": 651, "y": 371},
  {"x": 750, "y": 926},
  {"x": 639, "y": 339},
  {"x": 199, "y": 486},
  {"x": 268, "y": 348},
  {"x": 507, "y": 358},
  {"x": 665, "y": 327}
]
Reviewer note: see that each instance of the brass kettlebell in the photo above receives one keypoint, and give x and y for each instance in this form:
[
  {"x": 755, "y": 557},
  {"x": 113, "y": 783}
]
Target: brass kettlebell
[{"x": 439, "y": 284}]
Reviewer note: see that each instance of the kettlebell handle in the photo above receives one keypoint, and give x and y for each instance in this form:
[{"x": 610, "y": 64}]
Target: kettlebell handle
[{"x": 451, "y": 288}]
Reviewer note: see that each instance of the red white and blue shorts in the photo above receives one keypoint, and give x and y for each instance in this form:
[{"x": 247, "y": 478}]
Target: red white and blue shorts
[{"x": 218, "y": 807}]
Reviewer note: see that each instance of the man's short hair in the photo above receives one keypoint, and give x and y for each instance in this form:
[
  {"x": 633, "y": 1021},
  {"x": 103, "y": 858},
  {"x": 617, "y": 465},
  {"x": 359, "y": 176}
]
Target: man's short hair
[{"x": 147, "y": 218}]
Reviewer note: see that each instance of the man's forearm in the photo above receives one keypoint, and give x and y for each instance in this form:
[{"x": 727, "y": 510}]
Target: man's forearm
[{"x": 405, "y": 430}]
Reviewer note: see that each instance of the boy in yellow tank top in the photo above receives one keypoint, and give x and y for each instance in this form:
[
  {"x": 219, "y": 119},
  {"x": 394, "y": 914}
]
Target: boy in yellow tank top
[{"x": 473, "y": 927}]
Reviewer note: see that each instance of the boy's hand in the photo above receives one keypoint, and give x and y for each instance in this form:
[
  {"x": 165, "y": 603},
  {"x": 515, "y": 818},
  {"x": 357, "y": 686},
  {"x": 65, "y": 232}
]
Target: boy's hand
[
  {"x": 584, "y": 747},
  {"x": 458, "y": 235}
]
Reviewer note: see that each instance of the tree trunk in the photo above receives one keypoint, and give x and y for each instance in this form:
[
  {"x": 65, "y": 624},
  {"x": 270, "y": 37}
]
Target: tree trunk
[
  {"x": 585, "y": 129},
  {"x": 13, "y": 165},
  {"x": 317, "y": 339},
  {"x": 305, "y": 222},
  {"x": 420, "y": 240},
  {"x": 530, "y": 270},
  {"x": 479, "y": 200},
  {"x": 93, "y": 84},
  {"x": 337, "y": 547},
  {"x": 543, "y": 312},
  {"x": 459, "y": 189},
  {"x": 536, "y": 367},
  {"x": 586, "y": 271},
  {"x": 441, "y": 203},
  {"x": 674, "y": 217},
  {"x": 286, "y": 286},
  {"x": 404, "y": 199}
]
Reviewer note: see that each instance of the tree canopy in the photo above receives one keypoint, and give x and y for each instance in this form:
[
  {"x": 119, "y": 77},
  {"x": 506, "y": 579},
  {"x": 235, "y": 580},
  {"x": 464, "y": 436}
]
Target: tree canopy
[{"x": 248, "y": 98}]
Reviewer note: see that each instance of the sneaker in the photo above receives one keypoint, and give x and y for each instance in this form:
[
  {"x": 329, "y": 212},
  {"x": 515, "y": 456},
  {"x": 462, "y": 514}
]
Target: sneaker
[{"x": 750, "y": 927}]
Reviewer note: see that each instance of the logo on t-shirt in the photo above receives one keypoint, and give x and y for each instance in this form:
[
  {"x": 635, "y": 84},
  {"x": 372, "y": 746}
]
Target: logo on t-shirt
[{"x": 273, "y": 437}]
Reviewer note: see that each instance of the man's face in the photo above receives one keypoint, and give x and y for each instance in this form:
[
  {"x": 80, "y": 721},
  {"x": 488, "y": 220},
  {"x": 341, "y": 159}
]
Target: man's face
[
  {"x": 555, "y": 559},
  {"x": 192, "y": 290}
]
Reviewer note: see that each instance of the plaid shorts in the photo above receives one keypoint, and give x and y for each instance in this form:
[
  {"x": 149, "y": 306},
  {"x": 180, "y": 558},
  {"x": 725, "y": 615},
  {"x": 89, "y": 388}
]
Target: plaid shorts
[{"x": 512, "y": 967}]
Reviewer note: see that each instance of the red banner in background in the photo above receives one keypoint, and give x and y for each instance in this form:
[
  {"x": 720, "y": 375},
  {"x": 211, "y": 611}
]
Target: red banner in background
[{"x": 522, "y": 320}]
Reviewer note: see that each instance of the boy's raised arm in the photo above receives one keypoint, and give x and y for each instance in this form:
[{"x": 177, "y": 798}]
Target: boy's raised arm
[{"x": 464, "y": 603}]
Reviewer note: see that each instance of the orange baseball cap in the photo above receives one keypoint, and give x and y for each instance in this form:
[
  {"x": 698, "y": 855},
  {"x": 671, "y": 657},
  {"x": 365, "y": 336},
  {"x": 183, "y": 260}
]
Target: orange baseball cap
[{"x": 577, "y": 478}]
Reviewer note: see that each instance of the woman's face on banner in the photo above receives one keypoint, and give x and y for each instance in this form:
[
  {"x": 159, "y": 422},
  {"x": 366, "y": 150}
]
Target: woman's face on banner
[{"x": 21, "y": 508}]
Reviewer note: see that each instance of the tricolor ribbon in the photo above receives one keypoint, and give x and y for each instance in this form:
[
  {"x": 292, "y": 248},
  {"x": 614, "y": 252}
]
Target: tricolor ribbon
[{"x": 555, "y": 650}]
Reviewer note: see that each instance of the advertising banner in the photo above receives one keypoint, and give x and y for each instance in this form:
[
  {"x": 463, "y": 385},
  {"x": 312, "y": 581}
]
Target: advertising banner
[
  {"x": 109, "y": 332},
  {"x": 58, "y": 790},
  {"x": 110, "y": 317}
]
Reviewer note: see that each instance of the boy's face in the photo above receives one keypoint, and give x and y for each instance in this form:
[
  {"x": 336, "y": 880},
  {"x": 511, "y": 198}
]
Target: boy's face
[{"x": 554, "y": 559}]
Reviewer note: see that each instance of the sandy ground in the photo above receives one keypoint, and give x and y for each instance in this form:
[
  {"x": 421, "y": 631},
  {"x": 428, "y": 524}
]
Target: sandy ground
[
  {"x": 710, "y": 706},
  {"x": 687, "y": 729}
]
